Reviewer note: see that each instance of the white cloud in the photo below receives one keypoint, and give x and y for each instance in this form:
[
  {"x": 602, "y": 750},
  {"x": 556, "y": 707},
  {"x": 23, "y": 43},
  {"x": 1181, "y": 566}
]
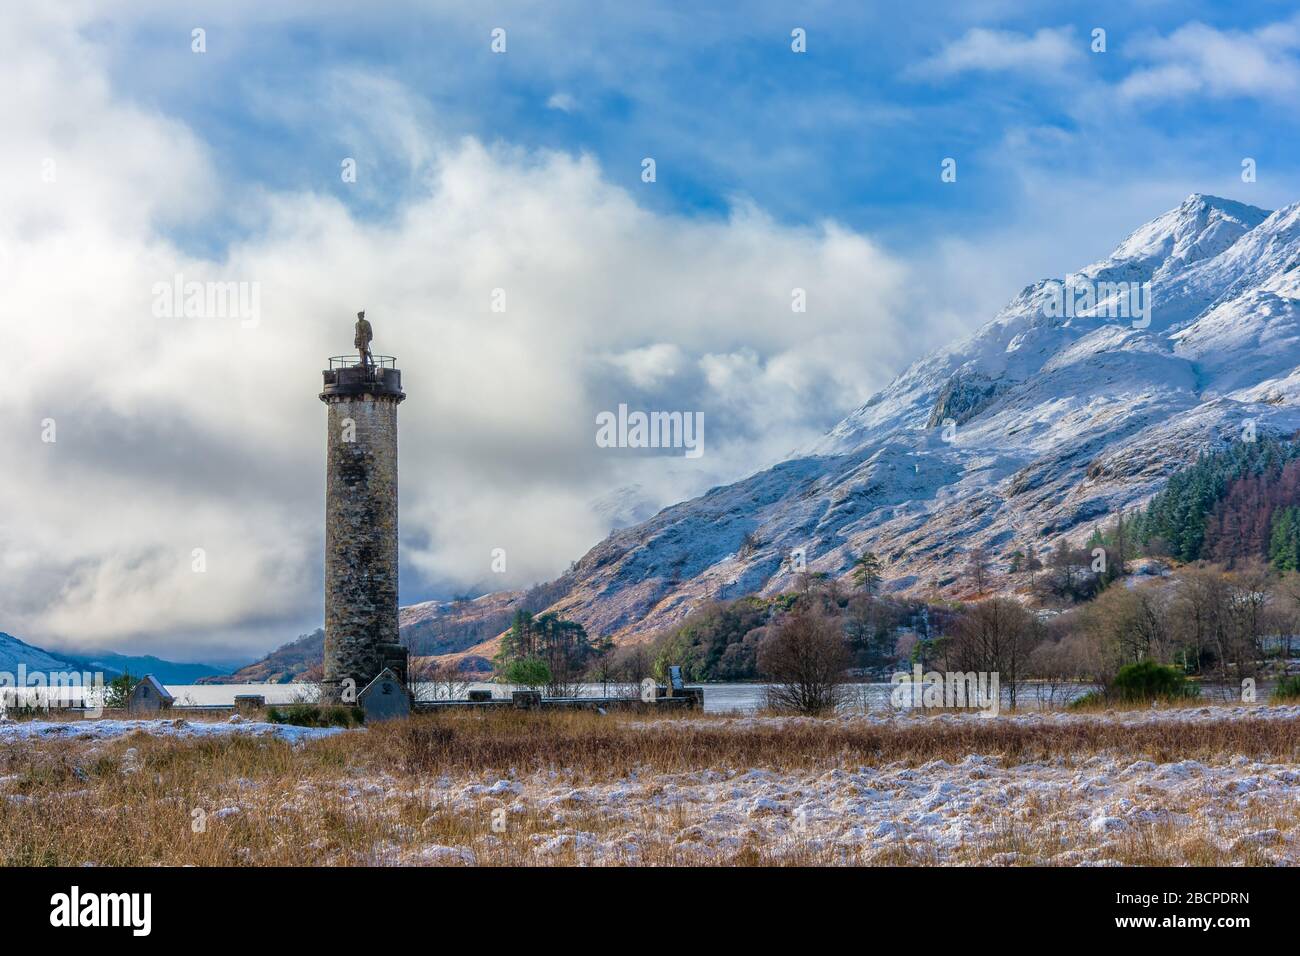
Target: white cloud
[
  {"x": 651, "y": 365},
  {"x": 1047, "y": 51},
  {"x": 562, "y": 101},
  {"x": 1197, "y": 59},
  {"x": 176, "y": 434}
]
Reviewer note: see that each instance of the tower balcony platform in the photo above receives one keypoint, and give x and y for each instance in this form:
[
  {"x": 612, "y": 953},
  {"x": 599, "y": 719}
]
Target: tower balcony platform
[{"x": 347, "y": 377}]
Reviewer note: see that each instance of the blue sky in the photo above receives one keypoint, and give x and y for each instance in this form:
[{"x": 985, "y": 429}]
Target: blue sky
[
  {"x": 522, "y": 172},
  {"x": 854, "y": 129}
]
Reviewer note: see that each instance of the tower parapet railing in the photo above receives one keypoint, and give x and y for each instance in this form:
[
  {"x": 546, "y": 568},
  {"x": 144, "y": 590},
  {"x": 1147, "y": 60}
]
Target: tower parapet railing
[
  {"x": 347, "y": 377},
  {"x": 354, "y": 361}
]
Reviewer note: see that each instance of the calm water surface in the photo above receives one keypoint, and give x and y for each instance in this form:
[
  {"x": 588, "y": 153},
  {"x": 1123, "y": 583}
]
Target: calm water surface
[{"x": 718, "y": 698}]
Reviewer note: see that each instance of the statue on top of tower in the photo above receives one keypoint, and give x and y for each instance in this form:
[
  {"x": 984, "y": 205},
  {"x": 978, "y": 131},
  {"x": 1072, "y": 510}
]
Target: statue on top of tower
[{"x": 365, "y": 335}]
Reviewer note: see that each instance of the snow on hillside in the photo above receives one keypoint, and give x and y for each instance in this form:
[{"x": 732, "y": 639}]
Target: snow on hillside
[
  {"x": 14, "y": 652},
  {"x": 1053, "y": 421}
]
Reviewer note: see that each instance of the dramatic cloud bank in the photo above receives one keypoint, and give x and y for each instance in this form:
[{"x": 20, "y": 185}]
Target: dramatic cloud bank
[{"x": 177, "y": 432}]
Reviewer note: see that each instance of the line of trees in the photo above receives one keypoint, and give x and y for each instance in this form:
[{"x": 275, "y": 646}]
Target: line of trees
[
  {"x": 1225, "y": 506},
  {"x": 1233, "y": 517},
  {"x": 545, "y": 650},
  {"x": 1203, "y": 618}
]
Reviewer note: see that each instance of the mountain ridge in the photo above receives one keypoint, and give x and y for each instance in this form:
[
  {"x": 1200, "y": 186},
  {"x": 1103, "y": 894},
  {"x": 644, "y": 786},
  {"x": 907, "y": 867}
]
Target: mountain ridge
[
  {"x": 1028, "y": 430},
  {"x": 15, "y": 652},
  {"x": 1056, "y": 422}
]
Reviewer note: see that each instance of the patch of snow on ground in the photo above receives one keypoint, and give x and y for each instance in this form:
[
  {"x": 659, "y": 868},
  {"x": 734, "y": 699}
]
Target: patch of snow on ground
[
  {"x": 35, "y": 730},
  {"x": 1090, "y": 811}
]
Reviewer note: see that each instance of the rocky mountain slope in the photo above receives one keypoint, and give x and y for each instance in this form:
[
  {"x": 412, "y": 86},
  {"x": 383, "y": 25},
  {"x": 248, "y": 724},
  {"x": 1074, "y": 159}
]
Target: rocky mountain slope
[
  {"x": 1032, "y": 429},
  {"x": 300, "y": 659},
  {"x": 1052, "y": 421}
]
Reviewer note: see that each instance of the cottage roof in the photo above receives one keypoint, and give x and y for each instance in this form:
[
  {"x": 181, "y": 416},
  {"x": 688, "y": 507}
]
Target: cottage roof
[
  {"x": 385, "y": 674},
  {"x": 156, "y": 686}
]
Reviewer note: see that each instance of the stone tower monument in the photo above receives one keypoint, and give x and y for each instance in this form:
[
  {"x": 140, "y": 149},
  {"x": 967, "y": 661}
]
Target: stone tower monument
[{"x": 362, "y": 393}]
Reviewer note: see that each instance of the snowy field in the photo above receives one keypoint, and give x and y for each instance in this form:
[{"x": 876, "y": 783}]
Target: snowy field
[
  {"x": 1085, "y": 807},
  {"x": 936, "y": 813},
  {"x": 1094, "y": 812},
  {"x": 12, "y": 731}
]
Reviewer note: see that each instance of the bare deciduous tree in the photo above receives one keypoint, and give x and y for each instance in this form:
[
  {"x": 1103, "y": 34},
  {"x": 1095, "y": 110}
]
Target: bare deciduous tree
[
  {"x": 806, "y": 660},
  {"x": 1127, "y": 625},
  {"x": 1286, "y": 617},
  {"x": 978, "y": 569},
  {"x": 1200, "y": 614},
  {"x": 994, "y": 636},
  {"x": 632, "y": 665},
  {"x": 437, "y": 680},
  {"x": 1250, "y": 588},
  {"x": 1061, "y": 665}
]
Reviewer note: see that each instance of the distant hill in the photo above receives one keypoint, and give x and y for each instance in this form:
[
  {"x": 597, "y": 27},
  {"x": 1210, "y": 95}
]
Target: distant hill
[
  {"x": 169, "y": 672},
  {"x": 1065, "y": 409},
  {"x": 14, "y": 652},
  {"x": 446, "y": 629},
  {"x": 300, "y": 659}
]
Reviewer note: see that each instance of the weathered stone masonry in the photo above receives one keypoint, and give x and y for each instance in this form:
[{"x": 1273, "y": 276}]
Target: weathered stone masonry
[{"x": 361, "y": 635}]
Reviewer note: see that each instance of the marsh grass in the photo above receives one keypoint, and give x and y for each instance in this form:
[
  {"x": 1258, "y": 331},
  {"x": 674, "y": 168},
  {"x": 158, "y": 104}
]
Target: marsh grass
[
  {"x": 614, "y": 747},
  {"x": 378, "y": 795}
]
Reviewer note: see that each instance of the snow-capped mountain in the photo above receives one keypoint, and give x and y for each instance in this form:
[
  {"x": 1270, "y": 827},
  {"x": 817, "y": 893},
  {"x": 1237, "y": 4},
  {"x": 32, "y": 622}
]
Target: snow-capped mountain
[{"x": 1074, "y": 401}]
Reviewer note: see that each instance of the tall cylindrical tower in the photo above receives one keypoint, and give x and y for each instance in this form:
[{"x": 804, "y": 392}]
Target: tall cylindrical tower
[{"x": 361, "y": 638}]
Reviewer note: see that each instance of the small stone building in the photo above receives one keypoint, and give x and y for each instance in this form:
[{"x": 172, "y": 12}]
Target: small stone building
[
  {"x": 249, "y": 703},
  {"x": 148, "y": 697},
  {"x": 384, "y": 698}
]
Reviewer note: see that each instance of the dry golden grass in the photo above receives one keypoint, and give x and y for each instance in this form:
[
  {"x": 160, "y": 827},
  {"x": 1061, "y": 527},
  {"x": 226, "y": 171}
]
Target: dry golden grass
[{"x": 384, "y": 795}]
